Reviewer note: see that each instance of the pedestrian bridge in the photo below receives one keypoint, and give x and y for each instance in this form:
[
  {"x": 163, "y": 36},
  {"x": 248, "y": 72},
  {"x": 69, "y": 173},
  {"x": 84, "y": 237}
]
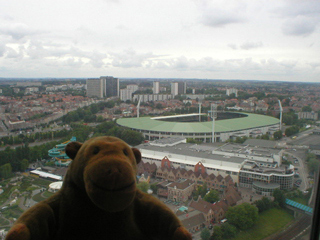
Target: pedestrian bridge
[{"x": 299, "y": 206}]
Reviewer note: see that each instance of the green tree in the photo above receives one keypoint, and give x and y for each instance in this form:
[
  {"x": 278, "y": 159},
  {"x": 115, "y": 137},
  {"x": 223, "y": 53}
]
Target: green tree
[
  {"x": 263, "y": 204},
  {"x": 291, "y": 130},
  {"x": 24, "y": 164},
  {"x": 217, "y": 233},
  {"x": 277, "y": 135},
  {"x": 289, "y": 118},
  {"x": 242, "y": 216},
  {"x": 6, "y": 170},
  {"x": 307, "y": 109},
  {"x": 228, "y": 231},
  {"x": 313, "y": 162},
  {"x": 100, "y": 118},
  {"x": 117, "y": 111},
  {"x": 212, "y": 196},
  {"x": 143, "y": 186},
  {"x": 205, "y": 234},
  {"x": 130, "y": 136},
  {"x": 279, "y": 198},
  {"x": 154, "y": 187},
  {"x": 159, "y": 106}
]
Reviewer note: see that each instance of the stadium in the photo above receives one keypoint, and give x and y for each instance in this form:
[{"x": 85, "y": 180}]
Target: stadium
[{"x": 200, "y": 127}]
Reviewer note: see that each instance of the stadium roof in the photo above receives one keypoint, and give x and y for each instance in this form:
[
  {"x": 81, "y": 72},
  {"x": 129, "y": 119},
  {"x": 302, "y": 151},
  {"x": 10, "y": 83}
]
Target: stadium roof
[{"x": 227, "y": 125}]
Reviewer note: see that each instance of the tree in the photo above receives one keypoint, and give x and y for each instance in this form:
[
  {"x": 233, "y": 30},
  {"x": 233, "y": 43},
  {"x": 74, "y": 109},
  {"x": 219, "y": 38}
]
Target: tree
[
  {"x": 212, "y": 196},
  {"x": 313, "y": 162},
  {"x": 289, "y": 118},
  {"x": 143, "y": 186},
  {"x": 117, "y": 111},
  {"x": 277, "y": 135},
  {"x": 228, "y": 231},
  {"x": 279, "y": 198},
  {"x": 242, "y": 216},
  {"x": 306, "y": 109},
  {"x": 263, "y": 204},
  {"x": 205, "y": 234},
  {"x": 291, "y": 130},
  {"x": 6, "y": 170},
  {"x": 100, "y": 118},
  {"x": 217, "y": 233},
  {"x": 24, "y": 164},
  {"x": 154, "y": 187}
]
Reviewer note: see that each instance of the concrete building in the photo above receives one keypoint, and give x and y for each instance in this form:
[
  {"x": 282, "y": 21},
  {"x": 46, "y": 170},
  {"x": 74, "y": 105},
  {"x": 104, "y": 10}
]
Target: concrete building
[
  {"x": 152, "y": 97},
  {"x": 308, "y": 115},
  {"x": 103, "y": 87},
  {"x": 156, "y": 87},
  {"x": 111, "y": 86},
  {"x": 237, "y": 125},
  {"x": 178, "y": 88},
  {"x": 243, "y": 164},
  {"x": 95, "y": 87},
  {"x": 229, "y": 91},
  {"x": 126, "y": 94}
]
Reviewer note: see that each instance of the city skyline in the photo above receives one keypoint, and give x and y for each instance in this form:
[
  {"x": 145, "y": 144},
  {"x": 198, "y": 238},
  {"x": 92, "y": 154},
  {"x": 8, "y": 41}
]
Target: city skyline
[{"x": 249, "y": 40}]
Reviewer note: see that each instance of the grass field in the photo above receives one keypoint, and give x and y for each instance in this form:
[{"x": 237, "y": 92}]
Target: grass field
[
  {"x": 42, "y": 196},
  {"x": 269, "y": 222}
]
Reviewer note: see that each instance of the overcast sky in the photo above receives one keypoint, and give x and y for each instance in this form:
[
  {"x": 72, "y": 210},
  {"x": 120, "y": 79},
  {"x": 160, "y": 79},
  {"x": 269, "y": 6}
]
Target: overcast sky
[{"x": 255, "y": 40}]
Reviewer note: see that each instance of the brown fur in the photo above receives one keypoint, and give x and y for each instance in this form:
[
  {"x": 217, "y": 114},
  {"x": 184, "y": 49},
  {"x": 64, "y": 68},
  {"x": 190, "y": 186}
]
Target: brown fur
[{"x": 99, "y": 200}]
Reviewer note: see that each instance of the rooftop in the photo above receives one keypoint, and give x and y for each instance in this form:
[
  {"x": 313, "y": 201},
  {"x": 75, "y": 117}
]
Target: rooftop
[
  {"x": 186, "y": 153},
  {"x": 236, "y": 124}
]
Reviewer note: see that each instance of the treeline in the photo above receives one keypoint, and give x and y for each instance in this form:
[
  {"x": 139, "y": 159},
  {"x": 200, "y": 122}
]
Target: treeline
[
  {"x": 244, "y": 216},
  {"x": 111, "y": 129},
  {"x": 18, "y": 159},
  {"x": 33, "y": 137},
  {"x": 291, "y": 119},
  {"x": 87, "y": 114}
]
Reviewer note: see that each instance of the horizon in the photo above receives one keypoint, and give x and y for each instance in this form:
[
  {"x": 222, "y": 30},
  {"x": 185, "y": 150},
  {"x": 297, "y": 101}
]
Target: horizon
[{"x": 151, "y": 79}]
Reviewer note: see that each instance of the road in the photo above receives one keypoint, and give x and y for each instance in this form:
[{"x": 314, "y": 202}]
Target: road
[{"x": 302, "y": 168}]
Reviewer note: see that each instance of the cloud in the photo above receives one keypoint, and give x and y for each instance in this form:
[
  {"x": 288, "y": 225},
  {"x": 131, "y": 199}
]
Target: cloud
[
  {"x": 129, "y": 59},
  {"x": 15, "y": 54},
  {"x": 295, "y": 8},
  {"x": 233, "y": 46},
  {"x": 2, "y": 50},
  {"x": 213, "y": 15},
  {"x": 246, "y": 45},
  {"x": 18, "y": 30},
  {"x": 301, "y": 17},
  {"x": 299, "y": 26},
  {"x": 251, "y": 45}
]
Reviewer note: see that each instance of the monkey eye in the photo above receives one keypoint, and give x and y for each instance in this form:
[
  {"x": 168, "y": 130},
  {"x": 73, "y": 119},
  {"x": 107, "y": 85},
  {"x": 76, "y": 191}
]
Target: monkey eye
[
  {"x": 125, "y": 152},
  {"x": 96, "y": 150}
]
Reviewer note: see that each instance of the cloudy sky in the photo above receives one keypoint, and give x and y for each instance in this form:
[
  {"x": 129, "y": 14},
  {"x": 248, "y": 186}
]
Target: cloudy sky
[{"x": 236, "y": 39}]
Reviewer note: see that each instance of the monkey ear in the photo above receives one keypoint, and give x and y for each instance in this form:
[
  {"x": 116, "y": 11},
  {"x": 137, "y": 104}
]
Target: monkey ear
[
  {"x": 137, "y": 154},
  {"x": 72, "y": 149}
]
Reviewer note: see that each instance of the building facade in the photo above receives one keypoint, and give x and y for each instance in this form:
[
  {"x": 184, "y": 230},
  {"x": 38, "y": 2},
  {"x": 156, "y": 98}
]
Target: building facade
[
  {"x": 152, "y": 97},
  {"x": 230, "y": 91},
  {"x": 126, "y": 94},
  {"x": 103, "y": 87},
  {"x": 111, "y": 86},
  {"x": 178, "y": 88},
  {"x": 181, "y": 190},
  {"x": 156, "y": 87},
  {"x": 95, "y": 87}
]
